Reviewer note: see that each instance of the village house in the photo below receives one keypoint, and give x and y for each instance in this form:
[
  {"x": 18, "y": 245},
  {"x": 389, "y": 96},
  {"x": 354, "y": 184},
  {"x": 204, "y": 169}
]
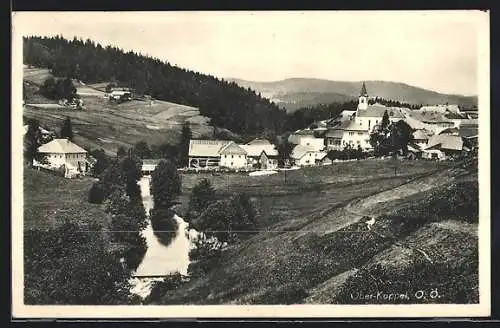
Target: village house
[
  {"x": 233, "y": 156},
  {"x": 306, "y": 137},
  {"x": 120, "y": 93},
  {"x": 349, "y": 133},
  {"x": 443, "y": 146},
  {"x": 62, "y": 153},
  {"x": 306, "y": 155},
  {"x": 431, "y": 121},
  {"x": 258, "y": 153},
  {"x": 205, "y": 153},
  {"x": 261, "y": 154},
  {"x": 420, "y": 138},
  {"x": 149, "y": 165},
  {"x": 441, "y": 108}
]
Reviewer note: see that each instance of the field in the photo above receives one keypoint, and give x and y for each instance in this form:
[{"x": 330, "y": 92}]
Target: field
[
  {"x": 50, "y": 199},
  {"x": 108, "y": 126},
  {"x": 313, "y": 244}
]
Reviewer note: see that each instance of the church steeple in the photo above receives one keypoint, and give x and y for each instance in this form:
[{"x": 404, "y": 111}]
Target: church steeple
[
  {"x": 363, "y": 98},
  {"x": 363, "y": 90}
]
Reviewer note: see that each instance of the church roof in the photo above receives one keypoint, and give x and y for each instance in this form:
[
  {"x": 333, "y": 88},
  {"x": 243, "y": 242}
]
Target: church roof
[{"x": 378, "y": 111}]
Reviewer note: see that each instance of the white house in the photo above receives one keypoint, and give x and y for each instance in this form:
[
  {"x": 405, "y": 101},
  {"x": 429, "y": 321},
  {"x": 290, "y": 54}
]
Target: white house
[
  {"x": 64, "y": 153},
  {"x": 149, "y": 165},
  {"x": 233, "y": 156},
  {"x": 205, "y": 153},
  {"x": 420, "y": 138},
  {"x": 442, "y": 146},
  {"x": 306, "y": 155},
  {"x": 262, "y": 153}
]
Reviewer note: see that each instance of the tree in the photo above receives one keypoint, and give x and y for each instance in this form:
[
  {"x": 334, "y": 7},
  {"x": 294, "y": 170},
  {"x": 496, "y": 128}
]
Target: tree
[
  {"x": 102, "y": 161},
  {"x": 284, "y": 150},
  {"x": 202, "y": 196},
  {"x": 228, "y": 219},
  {"x": 183, "y": 145},
  {"x": 401, "y": 135},
  {"x": 121, "y": 152},
  {"x": 31, "y": 141},
  {"x": 165, "y": 184},
  {"x": 65, "y": 266},
  {"x": 385, "y": 121},
  {"x": 96, "y": 193},
  {"x": 67, "y": 129},
  {"x": 131, "y": 168},
  {"x": 393, "y": 138},
  {"x": 142, "y": 149}
]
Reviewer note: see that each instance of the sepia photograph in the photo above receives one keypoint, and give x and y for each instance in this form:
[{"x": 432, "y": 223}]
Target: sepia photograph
[{"x": 250, "y": 164}]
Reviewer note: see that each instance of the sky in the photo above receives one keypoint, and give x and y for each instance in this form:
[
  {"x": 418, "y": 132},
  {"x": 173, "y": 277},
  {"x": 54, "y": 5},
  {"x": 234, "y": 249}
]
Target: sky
[{"x": 433, "y": 50}]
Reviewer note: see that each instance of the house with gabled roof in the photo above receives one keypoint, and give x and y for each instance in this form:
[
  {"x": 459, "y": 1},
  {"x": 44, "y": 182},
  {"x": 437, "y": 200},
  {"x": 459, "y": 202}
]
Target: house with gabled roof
[
  {"x": 261, "y": 153},
  {"x": 306, "y": 155},
  {"x": 205, "y": 153},
  {"x": 64, "y": 154},
  {"x": 442, "y": 146},
  {"x": 233, "y": 156}
]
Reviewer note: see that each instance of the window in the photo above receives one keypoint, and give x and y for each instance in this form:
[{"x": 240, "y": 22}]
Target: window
[
  {"x": 231, "y": 163},
  {"x": 376, "y": 121},
  {"x": 360, "y": 133},
  {"x": 369, "y": 123},
  {"x": 351, "y": 133},
  {"x": 232, "y": 156},
  {"x": 310, "y": 154}
]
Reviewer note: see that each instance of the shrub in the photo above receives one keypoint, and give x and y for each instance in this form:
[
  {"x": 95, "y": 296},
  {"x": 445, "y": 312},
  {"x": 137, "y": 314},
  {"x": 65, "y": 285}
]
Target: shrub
[
  {"x": 160, "y": 288},
  {"x": 96, "y": 194},
  {"x": 291, "y": 293}
]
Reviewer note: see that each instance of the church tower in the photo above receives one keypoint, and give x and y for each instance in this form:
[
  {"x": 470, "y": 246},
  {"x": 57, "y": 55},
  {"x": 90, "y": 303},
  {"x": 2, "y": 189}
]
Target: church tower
[{"x": 363, "y": 98}]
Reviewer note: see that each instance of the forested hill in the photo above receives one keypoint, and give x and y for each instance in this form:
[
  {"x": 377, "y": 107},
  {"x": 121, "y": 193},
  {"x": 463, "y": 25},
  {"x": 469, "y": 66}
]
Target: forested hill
[
  {"x": 295, "y": 93},
  {"x": 227, "y": 104}
]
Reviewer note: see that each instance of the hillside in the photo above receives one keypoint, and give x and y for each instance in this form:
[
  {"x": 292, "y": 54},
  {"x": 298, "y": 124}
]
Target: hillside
[
  {"x": 295, "y": 93},
  {"x": 108, "y": 126},
  {"x": 313, "y": 247},
  {"x": 226, "y": 104}
]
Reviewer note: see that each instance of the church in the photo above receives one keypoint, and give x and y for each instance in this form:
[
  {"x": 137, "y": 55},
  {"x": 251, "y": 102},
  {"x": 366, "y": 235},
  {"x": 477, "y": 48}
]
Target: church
[{"x": 353, "y": 128}]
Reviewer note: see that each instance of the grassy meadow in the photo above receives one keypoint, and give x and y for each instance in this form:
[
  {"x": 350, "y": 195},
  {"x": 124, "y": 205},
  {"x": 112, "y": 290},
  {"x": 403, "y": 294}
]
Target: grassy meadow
[
  {"x": 313, "y": 243},
  {"x": 105, "y": 125}
]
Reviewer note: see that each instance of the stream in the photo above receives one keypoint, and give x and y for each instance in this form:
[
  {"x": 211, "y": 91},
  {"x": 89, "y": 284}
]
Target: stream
[{"x": 160, "y": 259}]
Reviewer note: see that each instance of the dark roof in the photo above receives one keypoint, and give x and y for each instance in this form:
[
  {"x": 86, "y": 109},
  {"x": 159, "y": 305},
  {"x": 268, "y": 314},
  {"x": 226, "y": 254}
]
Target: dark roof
[
  {"x": 454, "y": 116},
  {"x": 334, "y": 134},
  {"x": 449, "y": 131},
  {"x": 467, "y": 132}
]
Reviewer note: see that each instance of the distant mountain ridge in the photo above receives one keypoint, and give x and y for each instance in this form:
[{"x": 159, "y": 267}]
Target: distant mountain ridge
[{"x": 294, "y": 93}]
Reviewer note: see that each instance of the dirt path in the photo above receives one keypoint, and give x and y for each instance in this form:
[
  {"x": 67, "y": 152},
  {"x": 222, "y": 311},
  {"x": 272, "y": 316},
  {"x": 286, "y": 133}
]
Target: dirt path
[
  {"x": 373, "y": 206},
  {"x": 458, "y": 226}
]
